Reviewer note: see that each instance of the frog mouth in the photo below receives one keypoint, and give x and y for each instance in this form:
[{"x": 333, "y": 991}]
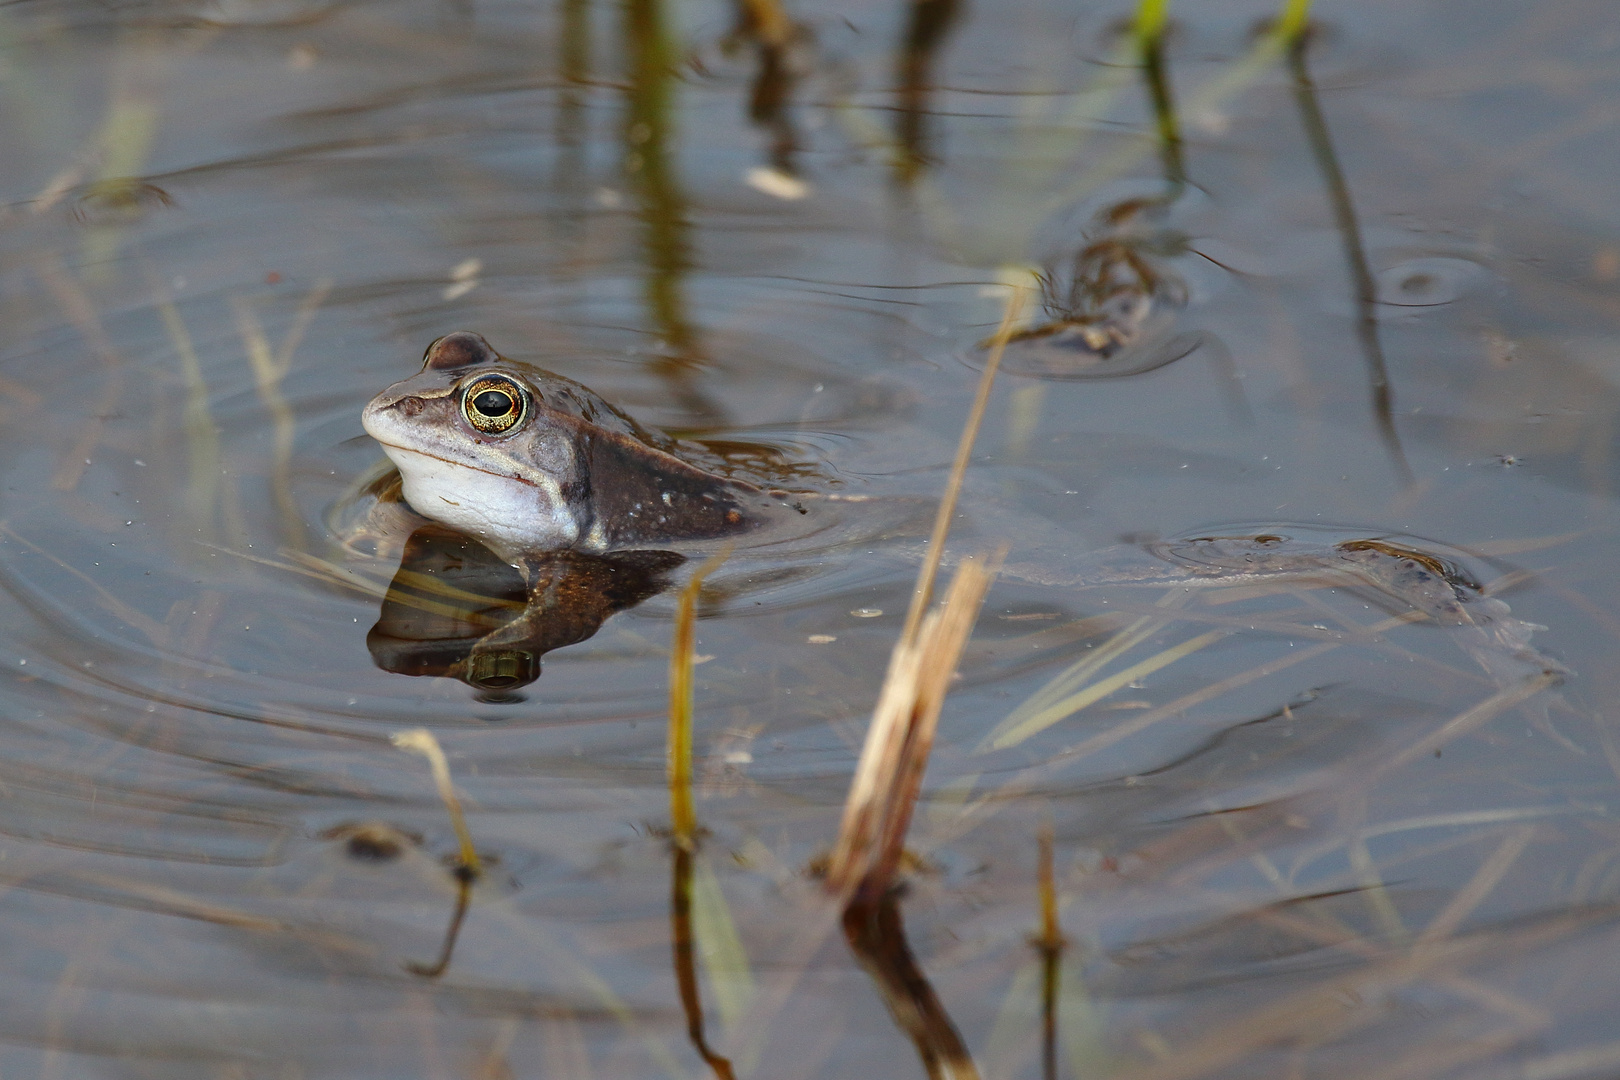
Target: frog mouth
[{"x": 457, "y": 464}]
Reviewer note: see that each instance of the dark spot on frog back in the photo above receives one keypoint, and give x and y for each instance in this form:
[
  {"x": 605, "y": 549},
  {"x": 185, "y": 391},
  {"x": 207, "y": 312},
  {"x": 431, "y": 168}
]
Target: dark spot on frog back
[{"x": 458, "y": 350}]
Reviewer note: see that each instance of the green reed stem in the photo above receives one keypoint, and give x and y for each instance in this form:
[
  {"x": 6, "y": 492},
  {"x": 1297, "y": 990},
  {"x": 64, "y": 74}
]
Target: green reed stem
[
  {"x": 1291, "y": 23},
  {"x": 421, "y": 741},
  {"x": 682, "y": 813},
  {"x": 1151, "y": 15}
]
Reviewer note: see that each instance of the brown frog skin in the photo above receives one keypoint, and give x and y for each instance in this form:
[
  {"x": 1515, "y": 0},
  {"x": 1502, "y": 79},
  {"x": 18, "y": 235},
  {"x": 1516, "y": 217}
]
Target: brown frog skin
[{"x": 527, "y": 461}]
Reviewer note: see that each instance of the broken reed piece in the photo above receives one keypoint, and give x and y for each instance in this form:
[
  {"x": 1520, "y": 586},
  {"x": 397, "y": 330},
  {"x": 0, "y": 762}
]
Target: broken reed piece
[
  {"x": 888, "y": 777},
  {"x": 682, "y": 813}
]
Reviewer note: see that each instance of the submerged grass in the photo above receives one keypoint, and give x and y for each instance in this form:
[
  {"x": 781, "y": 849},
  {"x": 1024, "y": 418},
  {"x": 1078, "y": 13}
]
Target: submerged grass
[{"x": 270, "y": 368}]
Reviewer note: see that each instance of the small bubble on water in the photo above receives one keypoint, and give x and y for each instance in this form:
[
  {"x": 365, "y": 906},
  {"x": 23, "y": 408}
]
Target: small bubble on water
[{"x": 867, "y": 612}]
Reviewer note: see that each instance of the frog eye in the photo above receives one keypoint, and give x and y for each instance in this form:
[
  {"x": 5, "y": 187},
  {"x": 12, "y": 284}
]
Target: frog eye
[{"x": 494, "y": 405}]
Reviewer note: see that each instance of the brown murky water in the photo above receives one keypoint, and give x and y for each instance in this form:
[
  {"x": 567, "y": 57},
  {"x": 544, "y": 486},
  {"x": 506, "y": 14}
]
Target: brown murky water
[{"x": 1302, "y": 826}]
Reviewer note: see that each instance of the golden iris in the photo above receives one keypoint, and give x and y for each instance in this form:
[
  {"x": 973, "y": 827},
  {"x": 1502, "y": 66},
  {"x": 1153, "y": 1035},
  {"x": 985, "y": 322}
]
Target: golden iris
[{"x": 494, "y": 405}]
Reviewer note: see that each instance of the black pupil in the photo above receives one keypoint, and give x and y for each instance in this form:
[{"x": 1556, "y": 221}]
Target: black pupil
[{"x": 493, "y": 403}]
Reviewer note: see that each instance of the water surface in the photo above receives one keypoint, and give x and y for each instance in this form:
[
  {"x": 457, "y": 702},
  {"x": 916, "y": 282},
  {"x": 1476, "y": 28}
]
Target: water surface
[{"x": 1369, "y": 290}]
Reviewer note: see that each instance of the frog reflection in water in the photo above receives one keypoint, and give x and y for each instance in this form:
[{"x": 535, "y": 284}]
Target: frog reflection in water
[
  {"x": 550, "y": 477},
  {"x": 451, "y": 593}
]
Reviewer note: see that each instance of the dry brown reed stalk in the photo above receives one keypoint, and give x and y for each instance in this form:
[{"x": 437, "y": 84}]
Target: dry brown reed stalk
[
  {"x": 421, "y": 741},
  {"x": 888, "y": 777},
  {"x": 682, "y": 814},
  {"x": 924, "y": 592},
  {"x": 467, "y": 868}
]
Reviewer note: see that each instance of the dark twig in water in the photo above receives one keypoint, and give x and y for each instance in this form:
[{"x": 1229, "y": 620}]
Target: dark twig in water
[{"x": 1364, "y": 288}]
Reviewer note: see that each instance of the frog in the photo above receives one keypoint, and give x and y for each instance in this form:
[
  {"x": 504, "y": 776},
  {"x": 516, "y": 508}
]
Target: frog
[{"x": 528, "y": 461}]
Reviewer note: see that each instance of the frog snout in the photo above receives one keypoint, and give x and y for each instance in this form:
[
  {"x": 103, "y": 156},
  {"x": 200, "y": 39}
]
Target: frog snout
[{"x": 410, "y": 406}]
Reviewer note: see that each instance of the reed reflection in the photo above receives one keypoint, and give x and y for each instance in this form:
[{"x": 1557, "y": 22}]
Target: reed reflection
[
  {"x": 778, "y": 44},
  {"x": 455, "y": 609},
  {"x": 928, "y": 25},
  {"x": 1157, "y": 77},
  {"x": 1049, "y": 945},
  {"x": 1363, "y": 288},
  {"x": 684, "y": 832},
  {"x": 877, "y": 937},
  {"x": 573, "y": 70},
  {"x": 464, "y": 879},
  {"x": 685, "y": 958},
  {"x": 650, "y": 169},
  {"x": 1110, "y": 306}
]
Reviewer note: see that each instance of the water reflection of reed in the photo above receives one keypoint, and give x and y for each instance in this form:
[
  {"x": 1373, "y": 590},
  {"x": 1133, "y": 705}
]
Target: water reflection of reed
[
  {"x": 573, "y": 70},
  {"x": 928, "y": 25},
  {"x": 779, "y": 45},
  {"x": 1110, "y": 305},
  {"x": 685, "y": 960},
  {"x": 650, "y": 152},
  {"x": 877, "y": 937},
  {"x": 1363, "y": 288}
]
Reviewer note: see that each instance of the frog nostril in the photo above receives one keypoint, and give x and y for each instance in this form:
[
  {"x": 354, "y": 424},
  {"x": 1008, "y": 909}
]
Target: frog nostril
[{"x": 411, "y": 406}]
